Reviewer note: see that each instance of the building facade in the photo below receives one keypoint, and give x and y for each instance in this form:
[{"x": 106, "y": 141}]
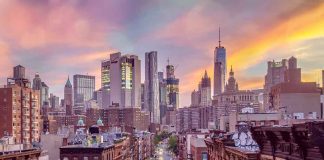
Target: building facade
[
  {"x": 220, "y": 70},
  {"x": 20, "y": 106},
  {"x": 172, "y": 87},
  {"x": 234, "y": 99},
  {"x": 68, "y": 97},
  {"x": 275, "y": 75},
  {"x": 123, "y": 80},
  {"x": 83, "y": 88},
  {"x": 151, "y": 101}
]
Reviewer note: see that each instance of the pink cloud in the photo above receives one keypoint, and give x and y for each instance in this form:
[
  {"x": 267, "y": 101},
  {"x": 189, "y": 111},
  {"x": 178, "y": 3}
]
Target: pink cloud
[{"x": 32, "y": 26}]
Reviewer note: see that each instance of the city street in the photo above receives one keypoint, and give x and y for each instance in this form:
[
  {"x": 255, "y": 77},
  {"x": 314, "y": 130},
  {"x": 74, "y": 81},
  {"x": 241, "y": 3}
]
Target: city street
[{"x": 162, "y": 152}]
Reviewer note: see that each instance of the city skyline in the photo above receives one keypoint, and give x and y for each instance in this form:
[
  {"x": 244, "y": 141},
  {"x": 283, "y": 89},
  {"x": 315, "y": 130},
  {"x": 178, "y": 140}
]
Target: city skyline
[{"x": 61, "y": 38}]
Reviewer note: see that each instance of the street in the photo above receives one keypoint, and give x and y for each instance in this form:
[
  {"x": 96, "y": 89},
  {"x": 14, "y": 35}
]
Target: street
[{"x": 162, "y": 152}]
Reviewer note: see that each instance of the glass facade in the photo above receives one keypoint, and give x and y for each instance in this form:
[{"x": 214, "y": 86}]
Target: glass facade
[{"x": 83, "y": 86}]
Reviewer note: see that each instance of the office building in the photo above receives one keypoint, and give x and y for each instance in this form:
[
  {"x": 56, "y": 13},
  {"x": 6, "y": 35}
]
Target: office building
[
  {"x": 83, "y": 88},
  {"x": 219, "y": 63},
  {"x": 195, "y": 98},
  {"x": 68, "y": 95},
  {"x": 142, "y": 95},
  {"x": 44, "y": 95},
  {"x": 105, "y": 79},
  {"x": 172, "y": 87},
  {"x": 103, "y": 98},
  {"x": 54, "y": 101},
  {"x": 37, "y": 82},
  {"x": 20, "y": 109},
  {"x": 151, "y": 102},
  {"x": 275, "y": 75},
  {"x": 37, "y": 85},
  {"x": 124, "y": 80}
]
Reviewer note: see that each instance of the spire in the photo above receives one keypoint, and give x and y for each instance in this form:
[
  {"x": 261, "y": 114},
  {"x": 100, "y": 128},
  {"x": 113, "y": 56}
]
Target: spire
[
  {"x": 68, "y": 83},
  {"x": 219, "y": 41},
  {"x": 206, "y": 75},
  {"x": 231, "y": 72}
]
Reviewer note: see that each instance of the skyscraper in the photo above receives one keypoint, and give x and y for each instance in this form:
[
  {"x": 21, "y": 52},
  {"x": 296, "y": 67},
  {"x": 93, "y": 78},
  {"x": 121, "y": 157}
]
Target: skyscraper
[
  {"x": 172, "y": 87},
  {"x": 218, "y": 81},
  {"x": 205, "y": 90},
  {"x": 219, "y": 56},
  {"x": 105, "y": 79},
  {"x": 83, "y": 88},
  {"x": 37, "y": 85},
  {"x": 124, "y": 76},
  {"x": 54, "y": 101},
  {"x": 68, "y": 94},
  {"x": 44, "y": 94},
  {"x": 162, "y": 95},
  {"x": 151, "y": 102},
  {"x": 37, "y": 82}
]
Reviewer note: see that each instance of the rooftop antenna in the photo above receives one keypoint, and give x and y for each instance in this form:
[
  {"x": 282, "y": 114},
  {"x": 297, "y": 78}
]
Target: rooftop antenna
[
  {"x": 168, "y": 61},
  {"x": 219, "y": 41}
]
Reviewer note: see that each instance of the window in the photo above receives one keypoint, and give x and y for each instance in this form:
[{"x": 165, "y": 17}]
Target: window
[
  {"x": 95, "y": 158},
  {"x": 85, "y": 158},
  {"x": 75, "y": 158},
  {"x": 65, "y": 158}
]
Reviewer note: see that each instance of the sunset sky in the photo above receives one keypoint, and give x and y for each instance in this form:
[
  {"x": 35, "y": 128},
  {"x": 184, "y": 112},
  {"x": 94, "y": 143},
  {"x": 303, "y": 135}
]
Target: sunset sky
[{"x": 58, "y": 38}]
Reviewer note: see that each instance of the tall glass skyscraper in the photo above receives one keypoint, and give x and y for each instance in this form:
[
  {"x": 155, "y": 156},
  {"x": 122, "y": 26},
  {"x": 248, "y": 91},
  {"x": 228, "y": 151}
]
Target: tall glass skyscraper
[
  {"x": 219, "y": 61},
  {"x": 83, "y": 88},
  {"x": 172, "y": 87},
  {"x": 152, "y": 86}
]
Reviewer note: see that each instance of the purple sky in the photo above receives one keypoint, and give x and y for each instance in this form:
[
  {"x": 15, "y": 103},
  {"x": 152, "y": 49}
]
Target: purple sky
[{"x": 58, "y": 38}]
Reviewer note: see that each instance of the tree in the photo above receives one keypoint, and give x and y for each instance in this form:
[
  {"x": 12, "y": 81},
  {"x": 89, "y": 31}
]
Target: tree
[{"x": 172, "y": 144}]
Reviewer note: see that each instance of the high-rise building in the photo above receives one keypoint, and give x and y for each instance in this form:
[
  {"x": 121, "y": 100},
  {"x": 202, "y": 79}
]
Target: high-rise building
[
  {"x": 37, "y": 85},
  {"x": 68, "y": 94},
  {"x": 275, "y": 75},
  {"x": 124, "y": 80},
  {"x": 162, "y": 95},
  {"x": 20, "y": 109},
  {"x": 195, "y": 98},
  {"x": 54, "y": 101},
  {"x": 83, "y": 88},
  {"x": 219, "y": 80},
  {"x": 142, "y": 95},
  {"x": 172, "y": 87},
  {"x": 37, "y": 82},
  {"x": 44, "y": 94},
  {"x": 105, "y": 79},
  {"x": 151, "y": 102},
  {"x": 205, "y": 90}
]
